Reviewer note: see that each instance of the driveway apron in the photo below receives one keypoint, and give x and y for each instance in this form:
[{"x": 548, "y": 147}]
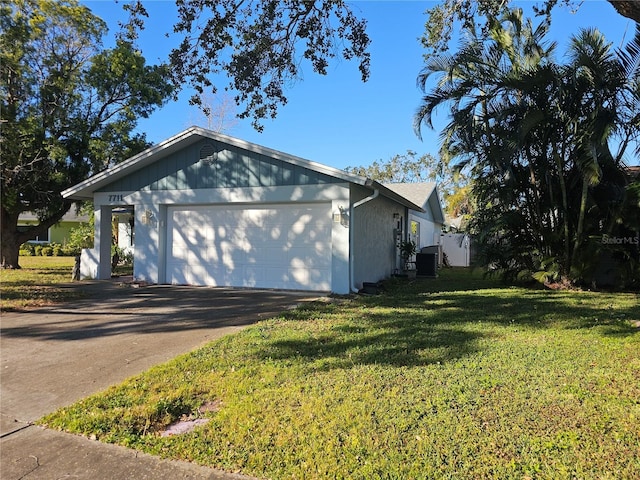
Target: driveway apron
[{"x": 52, "y": 357}]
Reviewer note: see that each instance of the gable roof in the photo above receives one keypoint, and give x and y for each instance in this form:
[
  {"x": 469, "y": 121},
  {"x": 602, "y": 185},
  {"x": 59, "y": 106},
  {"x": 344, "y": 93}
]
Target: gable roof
[
  {"x": 85, "y": 190},
  {"x": 423, "y": 194},
  {"x": 70, "y": 216}
]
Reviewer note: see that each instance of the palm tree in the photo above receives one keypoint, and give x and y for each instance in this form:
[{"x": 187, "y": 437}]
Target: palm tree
[{"x": 536, "y": 136}]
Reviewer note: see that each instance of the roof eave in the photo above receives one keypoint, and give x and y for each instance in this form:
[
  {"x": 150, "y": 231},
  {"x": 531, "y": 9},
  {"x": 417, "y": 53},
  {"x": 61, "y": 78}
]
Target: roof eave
[
  {"x": 84, "y": 190},
  {"x": 395, "y": 196}
]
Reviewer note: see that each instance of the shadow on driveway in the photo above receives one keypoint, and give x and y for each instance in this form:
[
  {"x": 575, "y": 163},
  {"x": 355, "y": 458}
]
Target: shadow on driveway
[
  {"x": 112, "y": 308},
  {"x": 51, "y": 357}
]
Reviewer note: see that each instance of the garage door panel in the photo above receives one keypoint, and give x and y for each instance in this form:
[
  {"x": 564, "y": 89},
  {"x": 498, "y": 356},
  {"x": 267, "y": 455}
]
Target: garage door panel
[
  {"x": 304, "y": 258},
  {"x": 180, "y": 253},
  {"x": 268, "y": 256},
  {"x": 178, "y": 277},
  {"x": 310, "y": 235},
  {"x": 254, "y": 276},
  {"x": 199, "y": 275},
  {"x": 284, "y": 246}
]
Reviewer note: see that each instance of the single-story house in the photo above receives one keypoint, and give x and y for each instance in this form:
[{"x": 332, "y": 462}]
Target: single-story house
[
  {"x": 210, "y": 209},
  {"x": 58, "y": 233}
]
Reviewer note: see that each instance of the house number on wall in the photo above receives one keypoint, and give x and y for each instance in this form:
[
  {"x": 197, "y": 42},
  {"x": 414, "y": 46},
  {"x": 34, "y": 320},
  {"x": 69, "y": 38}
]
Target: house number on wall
[{"x": 116, "y": 198}]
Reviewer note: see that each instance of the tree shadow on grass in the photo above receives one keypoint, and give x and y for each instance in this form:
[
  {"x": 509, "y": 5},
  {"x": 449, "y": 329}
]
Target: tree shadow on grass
[
  {"x": 376, "y": 339},
  {"x": 542, "y": 309},
  {"x": 414, "y": 327},
  {"x": 613, "y": 313}
]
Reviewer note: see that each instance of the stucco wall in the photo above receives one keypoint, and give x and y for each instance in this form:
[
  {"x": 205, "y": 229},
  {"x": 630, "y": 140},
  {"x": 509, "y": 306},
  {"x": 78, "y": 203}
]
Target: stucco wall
[
  {"x": 151, "y": 220},
  {"x": 374, "y": 248}
]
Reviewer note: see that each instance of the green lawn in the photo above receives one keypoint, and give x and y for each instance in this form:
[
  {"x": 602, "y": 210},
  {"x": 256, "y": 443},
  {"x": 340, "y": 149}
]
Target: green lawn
[
  {"x": 450, "y": 378},
  {"x": 38, "y": 283}
]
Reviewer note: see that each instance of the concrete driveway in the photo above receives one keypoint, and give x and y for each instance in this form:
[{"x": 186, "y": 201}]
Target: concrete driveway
[{"x": 52, "y": 357}]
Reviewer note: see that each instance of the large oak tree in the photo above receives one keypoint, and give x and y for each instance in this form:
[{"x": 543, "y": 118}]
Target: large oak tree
[
  {"x": 260, "y": 46},
  {"x": 69, "y": 108}
]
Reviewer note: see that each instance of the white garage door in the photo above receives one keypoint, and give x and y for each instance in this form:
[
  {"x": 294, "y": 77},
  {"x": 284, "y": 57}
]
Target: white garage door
[{"x": 283, "y": 246}]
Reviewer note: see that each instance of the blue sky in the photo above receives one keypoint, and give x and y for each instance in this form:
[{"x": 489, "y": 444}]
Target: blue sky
[{"x": 336, "y": 119}]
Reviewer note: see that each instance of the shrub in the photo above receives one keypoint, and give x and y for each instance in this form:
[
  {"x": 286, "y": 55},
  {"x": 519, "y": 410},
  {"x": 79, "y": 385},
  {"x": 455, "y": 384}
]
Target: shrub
[
  {"x": 27, "y": 250},
  {"x": 57, "y": 249},
  {"x": 70, "y": 251},
  {"x": 81, "y": 236},
  {"x": 127, "y": 259},
  {"x": 37, "y": 250},
  {"x": 46, "y": 251}
]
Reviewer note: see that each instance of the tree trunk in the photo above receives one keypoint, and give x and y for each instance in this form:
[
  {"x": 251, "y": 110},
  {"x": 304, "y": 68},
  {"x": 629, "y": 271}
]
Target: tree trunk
[
  {"x": 565, "y": 215},
  {"x": 10, "y": 248},
  {"x": 12, "y": 239},
  {"x": 583, "y": 212}
]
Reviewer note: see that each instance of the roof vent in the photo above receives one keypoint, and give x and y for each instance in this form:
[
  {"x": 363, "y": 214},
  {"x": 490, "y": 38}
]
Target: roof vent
[{"x": 208, "y": 154}]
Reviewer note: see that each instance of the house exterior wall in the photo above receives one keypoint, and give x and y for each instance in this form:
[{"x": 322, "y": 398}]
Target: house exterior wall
[
  {"x": 202, "y": 172},
  {"x": 375, "y": 254},
  {"x": 150, "y": 209},
  {"x": 429, "y": 230},
  {"x": 232, "y": 167},
  {"x": 125, "y": 234},
  {"x": 59, "y": 233}
]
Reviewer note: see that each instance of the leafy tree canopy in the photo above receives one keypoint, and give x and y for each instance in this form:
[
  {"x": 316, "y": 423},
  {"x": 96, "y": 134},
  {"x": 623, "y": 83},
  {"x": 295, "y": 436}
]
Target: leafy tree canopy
[
  {"x": 474, "y": 13},
  {"x": 544, "y": 142},
  {"x": 453, "y": 184},
  {"x": 259, "y": 45},
  {"x": 69, "y": 108}
]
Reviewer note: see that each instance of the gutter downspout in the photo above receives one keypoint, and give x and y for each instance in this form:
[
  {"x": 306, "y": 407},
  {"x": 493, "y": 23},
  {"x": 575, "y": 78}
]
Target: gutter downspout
[{"x": 375, "y": 194}]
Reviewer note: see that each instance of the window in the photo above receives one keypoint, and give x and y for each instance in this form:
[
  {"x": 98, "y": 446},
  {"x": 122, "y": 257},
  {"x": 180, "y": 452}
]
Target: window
[
  {"x": 44, "y": 238},
  {"x": 414, "y": 234}
]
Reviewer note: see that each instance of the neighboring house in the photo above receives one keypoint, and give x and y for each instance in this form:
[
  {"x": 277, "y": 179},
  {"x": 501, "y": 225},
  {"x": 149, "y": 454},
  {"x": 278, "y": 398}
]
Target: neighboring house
[
  {"x": 215, "y": 210},
  {"x": 58, "y": 233}
]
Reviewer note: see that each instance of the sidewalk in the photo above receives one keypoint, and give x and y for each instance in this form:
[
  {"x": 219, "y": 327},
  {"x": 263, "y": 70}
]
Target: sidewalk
[{"x": 36, "y": 453}]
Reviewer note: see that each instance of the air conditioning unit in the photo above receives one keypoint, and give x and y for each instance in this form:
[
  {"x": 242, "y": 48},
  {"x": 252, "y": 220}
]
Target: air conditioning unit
[{"x": 427, "y": 264}]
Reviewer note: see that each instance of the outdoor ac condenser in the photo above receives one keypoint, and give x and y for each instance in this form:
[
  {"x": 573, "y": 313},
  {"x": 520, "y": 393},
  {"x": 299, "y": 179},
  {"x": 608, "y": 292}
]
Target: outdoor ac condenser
[{"x": 427, "y": 264}]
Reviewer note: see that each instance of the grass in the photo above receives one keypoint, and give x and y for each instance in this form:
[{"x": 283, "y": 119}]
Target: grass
[
  {"x": 37, "y": 283},
  {"x": 451, "y": 378}
]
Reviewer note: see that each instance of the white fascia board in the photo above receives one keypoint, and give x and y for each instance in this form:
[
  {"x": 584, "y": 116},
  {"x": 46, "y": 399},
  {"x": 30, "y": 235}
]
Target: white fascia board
[{"x": 437, "y": 212}]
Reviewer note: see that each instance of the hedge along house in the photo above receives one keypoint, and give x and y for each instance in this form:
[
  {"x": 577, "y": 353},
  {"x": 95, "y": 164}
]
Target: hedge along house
[{"x": 214, "y": 210}]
